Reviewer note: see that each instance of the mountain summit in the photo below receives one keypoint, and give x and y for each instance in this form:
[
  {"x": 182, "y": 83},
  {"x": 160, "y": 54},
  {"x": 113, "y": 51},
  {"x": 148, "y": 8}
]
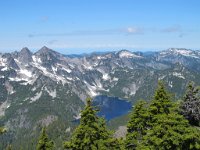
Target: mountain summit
[
  {"x": 44, "y": 50},
  {"x": 127, "y": 54},
  {"x": 25, "y": 55}
]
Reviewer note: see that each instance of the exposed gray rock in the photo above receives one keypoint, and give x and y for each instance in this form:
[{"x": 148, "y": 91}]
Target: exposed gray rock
[{"x": 25, "y": 56}]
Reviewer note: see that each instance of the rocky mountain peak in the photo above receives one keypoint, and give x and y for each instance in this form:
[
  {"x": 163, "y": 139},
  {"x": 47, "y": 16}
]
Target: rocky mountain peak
[
  {"x": 45, "y": 50},
  {"x": 25, "y": 55},
  {"x": 11, "y": 63},
  {"x": 25, "y": 50},
  {"x": 48, "y": 56}
]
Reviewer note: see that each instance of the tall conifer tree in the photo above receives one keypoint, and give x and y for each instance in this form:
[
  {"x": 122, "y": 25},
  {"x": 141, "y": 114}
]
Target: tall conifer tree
[
  {"x": 137, "y": 125},
  {"x": 190, "y": 107},
  {"x": 91, "y": 134},
  {"x": 2, "y": 130},
  {"x": 44, "y": 143},
  {"x": 164, "y": 128}
]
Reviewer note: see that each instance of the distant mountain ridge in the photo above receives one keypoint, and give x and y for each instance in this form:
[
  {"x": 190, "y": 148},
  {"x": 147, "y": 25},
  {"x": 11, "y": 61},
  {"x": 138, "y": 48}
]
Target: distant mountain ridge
[{"x": 49, "y": 88}]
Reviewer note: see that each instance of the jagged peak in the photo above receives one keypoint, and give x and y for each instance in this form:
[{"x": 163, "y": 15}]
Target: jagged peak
[
  {"x": 46, "y": 50},
  {"x": 25, "y": 50}
]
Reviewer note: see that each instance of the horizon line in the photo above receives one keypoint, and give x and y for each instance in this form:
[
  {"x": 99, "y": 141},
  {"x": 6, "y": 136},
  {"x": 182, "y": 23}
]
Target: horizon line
[{"x": 92, "y": 50}]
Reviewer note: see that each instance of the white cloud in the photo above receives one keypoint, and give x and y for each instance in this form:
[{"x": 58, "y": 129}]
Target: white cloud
[{"x": 134, "y": 30}]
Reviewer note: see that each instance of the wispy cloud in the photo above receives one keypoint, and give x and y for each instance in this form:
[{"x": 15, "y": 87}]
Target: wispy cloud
[
  {"x": 132, "y": 30},
  {"x": 172, "y": 29},
  {"x": 73, "y": 33},
  {"x": 177, "y": 29},
  {"x": 129, "y": 30}
]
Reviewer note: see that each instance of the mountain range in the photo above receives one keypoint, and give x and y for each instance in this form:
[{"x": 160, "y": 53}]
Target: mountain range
[{"x": 47, "y": 88}]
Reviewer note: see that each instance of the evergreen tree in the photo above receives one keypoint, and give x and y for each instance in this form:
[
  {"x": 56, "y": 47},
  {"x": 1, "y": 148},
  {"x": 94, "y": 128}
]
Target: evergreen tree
[
  {"x": 91, "y": 134},
  {"x": 137, "y": 125},
  {"x": 170, "y": 131},
  {"x": 161, "y": 102},
  {"x": 44, "y": 143},
  {"x": 190, "y": 107},
  {"x": 167, "y": 129},
  {"x": 2, "y": 130},
  {"x": 9, "y": 147},
  {"x": 160, "y": 126}
]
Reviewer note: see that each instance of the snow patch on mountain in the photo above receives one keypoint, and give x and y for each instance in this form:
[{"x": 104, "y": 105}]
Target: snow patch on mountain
[
  {"x": 68, "y": 78},
  {"x": 2, "y": 61},
  {"x": 2, "y": 76},
  {"x": 5, "y": 105},
  {"x": 87, "y": 67},
  {"x": 4, "y": 69},
  {"x": 77, "y": 117},
  {"x": 36, "y": 97},
  {"x": 115, "y": 79},
  {"x": 98, "y": 84},
  {"x": 161, "y": 77},
  {"x": 105, "y": 76},
  {"x": 131, "y": 89},
  {"x": 91, "y": 89},
  {"x": 26, "y": 72},
  {"x": 36, "y": 59},
  {"x": 9, "y": 88},
  {"x": 49, "y": 74},
  {"x": 54, "y": 69},
  {"x": 183, "y": 52},
  {"x": 179, "y": 75},
  {"x": 51, "y": 93},
  {"x": 15, "y": 79},
  {"x": 33, "y": 89},
  {"x": 127, "y": 54},
  {"x": 68, "y": 70},
  {"x": 170, "y": 84},
  {"x": 65, "y": 68},
  {"x": 68, "y": 130}
]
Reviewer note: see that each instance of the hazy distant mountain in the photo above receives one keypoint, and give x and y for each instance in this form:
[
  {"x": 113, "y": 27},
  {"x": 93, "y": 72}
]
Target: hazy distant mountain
[{"x": 48, "y": 88}]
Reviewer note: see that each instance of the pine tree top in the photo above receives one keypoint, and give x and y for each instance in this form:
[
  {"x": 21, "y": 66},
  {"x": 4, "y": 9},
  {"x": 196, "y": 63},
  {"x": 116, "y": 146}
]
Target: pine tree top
[
  {"x": 161, "y": 101},
  {"x": 2, "y": 130},
  {"x": 91, "y": 133},
  {"x": 44, "y": 143}
]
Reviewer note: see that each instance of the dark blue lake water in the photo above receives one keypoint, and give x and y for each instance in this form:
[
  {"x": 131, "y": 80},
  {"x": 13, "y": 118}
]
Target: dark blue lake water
[{"x": 111, "y": 107}]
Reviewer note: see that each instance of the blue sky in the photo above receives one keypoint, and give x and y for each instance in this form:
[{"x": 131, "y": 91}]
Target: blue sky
[{"x": 82, "y": 26}]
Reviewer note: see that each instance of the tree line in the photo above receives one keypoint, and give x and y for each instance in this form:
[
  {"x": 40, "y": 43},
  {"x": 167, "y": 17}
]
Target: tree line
[{"x": 160, "y": 124}]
